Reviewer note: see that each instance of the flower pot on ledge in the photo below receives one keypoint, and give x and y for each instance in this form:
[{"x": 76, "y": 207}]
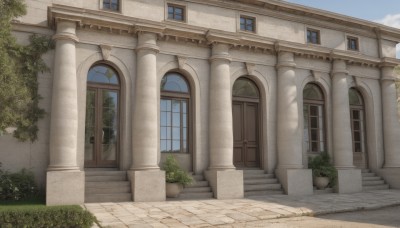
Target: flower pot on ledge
[
  {"x": 173, "y": 189},
  {"x": 321, "y": 182}
]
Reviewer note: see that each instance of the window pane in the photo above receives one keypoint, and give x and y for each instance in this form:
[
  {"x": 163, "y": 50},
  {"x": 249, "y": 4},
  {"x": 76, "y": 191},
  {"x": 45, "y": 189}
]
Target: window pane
[
  {"x": 313, "y": 110},
  {"x": 184, "y": 121},
  {"x": 169, "y": 119},
  {"x": 170, "y": 9},
  {"x": 163, "y": 146},
  {"x": 176, "y": 133},
  {"x": 163, "y": 105},
  {"x": 178, "y": 17},
  {"x": 102, "y": 74},
  {"x": 314, "y": 122},
  {"x": 176, "y": 120},
  {"x": 114, "y": 4},
  {"x": 169, "y": 129},
  {"x": 314, "y": 135},
  {"x": 357, "y": 147},
  {"x": 314, "y": 147},
  {"x": 184, "y": 132},
  {"x": 357, "y": 136},
  {"x": 163, "y": 133},
  {"x": 243, "y": 87},
  {"x": 354, "y": 97},
  {"x": 108, "y": 152},
  {"x": 178, "y": 10},
  {"x": 184, "y": 107},
  {"x": 356, "y": 125},
  {"x": 184, "y": 149},
  {"x": 312, "y": 92},
  {"x": 176, "y": 106},
  {"x": 174, "y": 82},
  {"x": 356, "y": 114},
  {"x": 176, "y": 147}
]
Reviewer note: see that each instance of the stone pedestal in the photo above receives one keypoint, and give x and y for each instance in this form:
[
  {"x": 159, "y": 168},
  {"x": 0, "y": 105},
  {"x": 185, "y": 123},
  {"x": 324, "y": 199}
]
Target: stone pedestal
[
  {"x": 296, "y": 181},
  {"x": 226, "y": 184},
  {"x": 65, "y": 188},
  {"x": 65, "y": 183},
  {"x": 349, "y": 181},
  {"x": 148, "y": 185},
  {"x": 290, "y": 161}
]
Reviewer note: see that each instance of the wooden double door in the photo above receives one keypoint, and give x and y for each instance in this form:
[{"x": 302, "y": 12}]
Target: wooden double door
[{"x": 246, "y": 134}]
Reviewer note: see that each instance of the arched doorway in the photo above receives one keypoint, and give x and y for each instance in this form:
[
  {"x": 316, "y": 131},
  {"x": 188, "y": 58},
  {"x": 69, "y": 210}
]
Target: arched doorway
[
  {"x": 102, "y": 117},
  {"x": 357, "y": 115},
  {"x": 246, "y": 122}
]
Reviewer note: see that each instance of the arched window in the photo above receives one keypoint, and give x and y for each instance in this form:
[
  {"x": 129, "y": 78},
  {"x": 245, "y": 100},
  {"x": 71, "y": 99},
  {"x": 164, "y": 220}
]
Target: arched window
[
  {"x": 174, "y": 114},
  {"x": 357, "y": 120},
  {"x": 313, "y": 110},
  {"x": 102, "y": 117},
  {"x": 243, "y": 87}
]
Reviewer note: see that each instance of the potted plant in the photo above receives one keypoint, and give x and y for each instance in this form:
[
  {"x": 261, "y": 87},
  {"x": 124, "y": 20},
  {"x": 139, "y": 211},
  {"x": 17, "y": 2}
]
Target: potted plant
[
  {"x": 323, "y": 171},
  {"x": 175, "y": 177}
]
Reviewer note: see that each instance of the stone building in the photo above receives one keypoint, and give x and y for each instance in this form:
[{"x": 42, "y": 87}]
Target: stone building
[{"x": 226, "y": 86}]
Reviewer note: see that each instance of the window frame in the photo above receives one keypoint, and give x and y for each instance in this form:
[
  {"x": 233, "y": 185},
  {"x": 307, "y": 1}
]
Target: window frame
[
  {"x": 119, "y": 10},
  {"x": 247, "y": 17},
  {"x": 318, "y": 32},
  {"x": 357, "y": 42},
  {"x": 322, "y": 104},
  {"x": 180, "y": 96},
  {"x": 176, "y": 5},
  {"x": 363, "y": 123}
]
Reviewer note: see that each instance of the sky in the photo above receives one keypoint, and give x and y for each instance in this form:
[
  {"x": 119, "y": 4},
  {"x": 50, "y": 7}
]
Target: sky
[{"x": 386, "y": 12}]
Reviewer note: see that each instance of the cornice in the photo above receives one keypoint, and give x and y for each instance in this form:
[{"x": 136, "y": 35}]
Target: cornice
[{"x": 120, "y": 24}]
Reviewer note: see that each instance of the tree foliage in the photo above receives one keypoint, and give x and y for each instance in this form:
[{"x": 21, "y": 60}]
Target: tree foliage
[{"x": 20, "y": 65}]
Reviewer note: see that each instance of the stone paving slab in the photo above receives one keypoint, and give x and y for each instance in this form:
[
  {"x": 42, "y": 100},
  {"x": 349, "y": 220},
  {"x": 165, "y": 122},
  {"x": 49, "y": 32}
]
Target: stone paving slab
[{"x": 235, "y": 213}]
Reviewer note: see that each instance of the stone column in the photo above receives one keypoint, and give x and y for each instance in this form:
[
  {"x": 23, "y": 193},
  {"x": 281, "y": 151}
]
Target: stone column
[
  {"x": 224, "y": 179},
  {"x": 391, "y": 128},
  {"x": 148, "y": 181},
  {"x": 295, "y": 179},
  {"x": 349, "y": 178},
  {"x": 65, "y": 182}
]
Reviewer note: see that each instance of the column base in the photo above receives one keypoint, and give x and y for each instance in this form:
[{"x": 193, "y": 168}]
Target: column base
[
  {"x": 226, "y": 184},
  {"x": 65, "y": 188},
  {"x": 296, "y": 181},
  {"x": 349, "y": 181},
  {"x": 147, "y": 186}
]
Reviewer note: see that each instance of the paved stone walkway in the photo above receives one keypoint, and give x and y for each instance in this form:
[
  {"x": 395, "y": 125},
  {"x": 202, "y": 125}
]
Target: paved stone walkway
[{"x": 222, "y": 213}]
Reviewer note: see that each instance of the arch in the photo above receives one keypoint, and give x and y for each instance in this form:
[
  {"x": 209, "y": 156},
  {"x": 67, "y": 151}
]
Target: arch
[
  {"x": 125, "y": 122},
  {"x": 188, "y": 161}
]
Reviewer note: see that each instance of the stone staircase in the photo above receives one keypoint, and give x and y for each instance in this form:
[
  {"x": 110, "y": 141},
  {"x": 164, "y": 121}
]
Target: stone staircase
[
  {"x": 259, "y": 183},
  {"x": 107, "y": 186},
  {"x": 200, "y": 189},
  {"x": 371, "y": 181}
]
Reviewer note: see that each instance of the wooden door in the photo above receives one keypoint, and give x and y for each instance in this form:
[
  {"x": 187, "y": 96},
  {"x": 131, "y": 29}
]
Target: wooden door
[{"x": 246, "y": 134}]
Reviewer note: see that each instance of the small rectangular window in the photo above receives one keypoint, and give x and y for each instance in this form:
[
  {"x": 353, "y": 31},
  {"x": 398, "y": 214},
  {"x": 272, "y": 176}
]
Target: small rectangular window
[
  {"x": 111, "y": 5},
  {"x": 313, "y": 36},
  {"x": 352, "y": 43},
  {"x": 176, "y": 12},
  {"x": 247, "y": 24}
]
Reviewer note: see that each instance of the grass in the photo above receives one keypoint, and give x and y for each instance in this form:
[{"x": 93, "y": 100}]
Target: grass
[{"x": 33, "y": 203}]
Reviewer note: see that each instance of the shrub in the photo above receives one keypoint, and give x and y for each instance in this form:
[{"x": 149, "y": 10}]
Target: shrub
[
  {"x": 57, "y": 216},
  {"x": 321, "y": 167},
  {"x": 17, "y": 186},
  {"x": 174, "y": 173}
]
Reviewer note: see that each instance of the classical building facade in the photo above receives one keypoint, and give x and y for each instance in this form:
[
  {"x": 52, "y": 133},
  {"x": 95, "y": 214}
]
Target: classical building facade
[{"x": 224, "y": 86}]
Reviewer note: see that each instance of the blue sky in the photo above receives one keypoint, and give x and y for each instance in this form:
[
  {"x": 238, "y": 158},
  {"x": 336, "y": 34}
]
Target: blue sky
[{"x": 383, "y": 11}]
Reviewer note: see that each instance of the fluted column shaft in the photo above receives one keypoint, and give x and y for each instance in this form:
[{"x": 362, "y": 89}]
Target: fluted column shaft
[
  {"x": 288, "y": 131},
  {"x": 391, "y": 128},
  {"x": 342, "y": 138},
  {"x": 220, "y": 128},
  {"x": 145, "y": 124},
  {"x": 64, "y": 109}
]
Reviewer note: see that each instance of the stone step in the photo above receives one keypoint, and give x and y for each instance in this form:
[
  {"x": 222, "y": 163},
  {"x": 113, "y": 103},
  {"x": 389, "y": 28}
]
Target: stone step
[
  {"x": 262, "y": 187},
  {"x": 108, "y": 190},
  {"x": 196, "y": 189},
  {"x": 198, "y": 184},
  {"x": 195, "y": 195},
  {"x": 365, "y": 171},
  {"x": 105, "y": 173},
  {"x": 376, "y": 187},
  {"x": 373, "y": 182},
  {"x": 106, "y": 178},
  {"x": 371, "y": 178},
  {"x": 263, "y": 193},
  {"x": 102, "y": 198},
  {"x": 368, "y": 174},
  {"x": 107, "y": 184},
  {"x": 253, "y": 171},
  {"x": 198, "y": 177},
  {"x": 258, "y": 176},
  {"x": 260, "y": 181}
]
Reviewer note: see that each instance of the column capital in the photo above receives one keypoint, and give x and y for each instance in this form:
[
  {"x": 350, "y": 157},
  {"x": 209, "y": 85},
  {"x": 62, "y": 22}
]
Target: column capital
[
  {"x": 220, "y": 51},
  {"x": 339, "y": 66},
  {"x": 66, "y": 30},
  {"x": 387, "y": 73},
  {"x": 147, "y": 41},
  {"x": 285, "y": 59}
]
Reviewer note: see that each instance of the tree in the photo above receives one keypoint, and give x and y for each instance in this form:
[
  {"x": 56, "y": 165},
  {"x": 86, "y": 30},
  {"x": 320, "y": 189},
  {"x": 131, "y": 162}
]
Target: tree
[{"x": 19, "y": 68}]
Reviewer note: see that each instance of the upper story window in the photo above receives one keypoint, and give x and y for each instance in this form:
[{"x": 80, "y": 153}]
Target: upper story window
[
  {"x": 176, "y": 12},
  {"x": 352, "y": 43},
  {"x": 247, "y": 24},
  {"x": 111, "y": 5},
  {"x": 313, "y": 36}
]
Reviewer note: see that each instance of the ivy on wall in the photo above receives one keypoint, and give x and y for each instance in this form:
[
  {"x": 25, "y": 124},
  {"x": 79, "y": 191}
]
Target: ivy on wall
[{"x": 19, "y": 69}]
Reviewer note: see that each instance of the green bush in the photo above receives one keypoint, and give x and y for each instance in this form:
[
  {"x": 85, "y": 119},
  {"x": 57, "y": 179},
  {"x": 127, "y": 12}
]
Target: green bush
[
  {"x": 17, "y": 186},
  {"x": 57, "y": 216},
  {"x": 322, "y": 167},
  {"x": 174, "y": 173}
]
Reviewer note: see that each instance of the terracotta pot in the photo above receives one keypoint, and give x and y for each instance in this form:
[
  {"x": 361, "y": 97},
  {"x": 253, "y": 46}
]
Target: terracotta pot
[
  {"x": 173, "y": 189},
  {"x": 321, "y": 182}
]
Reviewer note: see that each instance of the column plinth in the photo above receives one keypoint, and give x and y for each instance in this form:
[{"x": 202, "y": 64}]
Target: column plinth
[
  {"x": 295, "y": 179},
  {"x": 147, "y": 180},
  {"x": 63, "y": 175}
]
